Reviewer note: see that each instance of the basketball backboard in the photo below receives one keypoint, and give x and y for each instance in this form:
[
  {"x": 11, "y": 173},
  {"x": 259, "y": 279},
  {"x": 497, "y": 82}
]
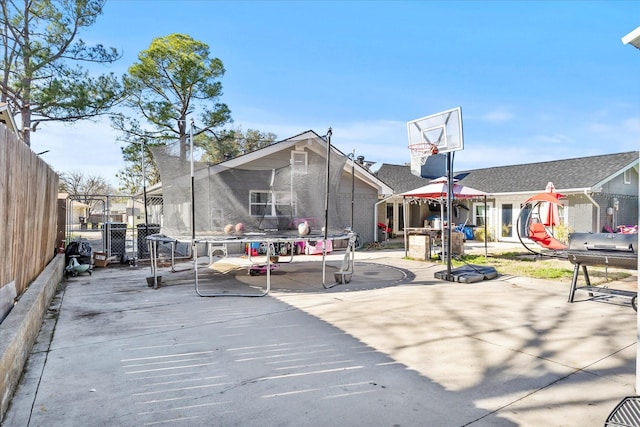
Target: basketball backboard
[{"x": 437, "y": 133}]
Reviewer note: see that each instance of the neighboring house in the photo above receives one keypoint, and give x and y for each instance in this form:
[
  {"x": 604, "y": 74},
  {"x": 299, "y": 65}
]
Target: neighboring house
[
  {"x": 78, "y": 213},
  {"x": 602, "y": 192},
  {"x": 267, "y": 188}
]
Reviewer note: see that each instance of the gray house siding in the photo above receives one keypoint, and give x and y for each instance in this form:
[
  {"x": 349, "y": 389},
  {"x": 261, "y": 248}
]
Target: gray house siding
[
  {"x": 258, "y": 180},
  {"x": 364, "y": 205},
  {"x": 367, "y": 189},
  {"x": 231, "y": 201},
  {"x": 622, "y": 194},
  {"x": 364, "y": 200},
  {"x": 627, "y": 214},
  {"x": 591, "y": 184},
  {"x": 581, "y": 218}
]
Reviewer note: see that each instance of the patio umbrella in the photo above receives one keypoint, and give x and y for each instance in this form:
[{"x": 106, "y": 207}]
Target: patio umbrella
[{"x": 549, "y": 201}]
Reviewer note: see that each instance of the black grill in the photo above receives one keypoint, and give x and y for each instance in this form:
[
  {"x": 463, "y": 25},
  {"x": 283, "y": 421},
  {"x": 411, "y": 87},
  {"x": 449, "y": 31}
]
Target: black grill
[{"x": 602, "y": 250}]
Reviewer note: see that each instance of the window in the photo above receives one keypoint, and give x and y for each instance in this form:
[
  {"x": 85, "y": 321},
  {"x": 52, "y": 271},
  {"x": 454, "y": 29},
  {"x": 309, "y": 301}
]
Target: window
[
  {"x": 626, "y": 176},
  {"x": 299, "y": 161},
  {"x": 507, "y": 220},
  {"x": 272, "y": 204},
  {"x": 478, "y": 214}
]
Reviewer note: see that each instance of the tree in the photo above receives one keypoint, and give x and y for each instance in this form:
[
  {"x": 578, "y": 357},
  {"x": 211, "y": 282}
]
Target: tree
[
  {"x": 229, "y": 144},
  {"x": 41, "y": 77},
  {"x": 131, "y": 177},
  {"x": 85, "y": 188},
  {"x": 217, "y": 147},
  {"x": 172, "y": 79}
]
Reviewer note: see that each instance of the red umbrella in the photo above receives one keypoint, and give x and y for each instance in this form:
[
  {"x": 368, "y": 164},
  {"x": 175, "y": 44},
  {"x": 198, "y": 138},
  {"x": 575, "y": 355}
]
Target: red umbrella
[
  {"x": 546, "y": 197},
  {"x": 549, "y": 202}
]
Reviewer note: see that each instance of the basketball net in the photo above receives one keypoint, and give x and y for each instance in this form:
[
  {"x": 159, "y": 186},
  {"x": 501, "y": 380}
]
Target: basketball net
[{"x": 420, "y": 152}]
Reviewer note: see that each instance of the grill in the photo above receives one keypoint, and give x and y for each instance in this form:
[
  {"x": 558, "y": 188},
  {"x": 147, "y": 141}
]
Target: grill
[{"x": 602, "y": 250}]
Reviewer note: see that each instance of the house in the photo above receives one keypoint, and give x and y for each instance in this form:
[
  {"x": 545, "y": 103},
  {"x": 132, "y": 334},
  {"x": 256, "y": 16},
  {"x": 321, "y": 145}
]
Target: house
[
  {"x": 78, "y": 212},
  {"x": 602, "y": 193},
  {"x": 271, "y": 189},
  {"x": 6, "y": 118}
]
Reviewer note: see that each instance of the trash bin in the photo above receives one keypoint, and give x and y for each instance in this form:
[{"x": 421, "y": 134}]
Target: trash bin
[
  {"x": 468, "y": 232},
  {"x": 145, "y": 230},
  {"x": 114, "y": 235},
  {"x": 81, "y": 248}
]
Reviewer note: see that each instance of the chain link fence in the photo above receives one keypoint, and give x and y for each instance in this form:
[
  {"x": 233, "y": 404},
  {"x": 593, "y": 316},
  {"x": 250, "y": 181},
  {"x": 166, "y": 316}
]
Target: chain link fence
[{"x": 116, "y": 225}]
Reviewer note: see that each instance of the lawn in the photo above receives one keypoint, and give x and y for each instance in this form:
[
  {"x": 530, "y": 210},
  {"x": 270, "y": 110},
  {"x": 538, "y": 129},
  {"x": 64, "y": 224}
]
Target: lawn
[
  {"x": 525, "y": 264},
  {"x": 540, "y": 267}
]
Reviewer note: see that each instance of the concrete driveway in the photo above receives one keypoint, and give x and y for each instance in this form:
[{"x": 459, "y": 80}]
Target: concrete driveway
[{"x": 395, "y": 347}]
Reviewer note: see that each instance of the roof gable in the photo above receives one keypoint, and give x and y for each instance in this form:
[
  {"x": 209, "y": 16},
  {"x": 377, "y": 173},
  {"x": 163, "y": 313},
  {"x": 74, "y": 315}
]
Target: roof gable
[
  {"x": 284, "y": 144},
  {"x": 311, "y": 140},
  {"x": 307, "y": 139}
]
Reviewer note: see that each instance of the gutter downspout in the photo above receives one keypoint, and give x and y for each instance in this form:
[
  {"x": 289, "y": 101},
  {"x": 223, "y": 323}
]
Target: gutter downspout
[
  {"x": 375, "y": 217},
  {"x": 597, "y": 209}
]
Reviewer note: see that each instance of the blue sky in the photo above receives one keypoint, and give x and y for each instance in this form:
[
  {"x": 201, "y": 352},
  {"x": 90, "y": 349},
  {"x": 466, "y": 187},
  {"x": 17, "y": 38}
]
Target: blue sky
[{"x": 536, "y": 81}]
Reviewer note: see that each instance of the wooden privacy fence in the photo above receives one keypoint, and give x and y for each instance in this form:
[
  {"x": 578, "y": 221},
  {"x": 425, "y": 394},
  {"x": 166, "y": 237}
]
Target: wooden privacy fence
[{"x": 28, "y": 212}]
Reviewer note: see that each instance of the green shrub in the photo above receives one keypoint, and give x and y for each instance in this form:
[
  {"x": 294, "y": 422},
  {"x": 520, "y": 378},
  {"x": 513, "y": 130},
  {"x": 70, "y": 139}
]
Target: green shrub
[
  {"x": 478, "y": 234},
  {"x": 561, "y": 232}
]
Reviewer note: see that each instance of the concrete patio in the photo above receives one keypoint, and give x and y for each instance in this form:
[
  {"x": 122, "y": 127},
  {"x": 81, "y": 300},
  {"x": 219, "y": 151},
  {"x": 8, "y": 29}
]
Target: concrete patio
[{"x": 395, "y": 347}]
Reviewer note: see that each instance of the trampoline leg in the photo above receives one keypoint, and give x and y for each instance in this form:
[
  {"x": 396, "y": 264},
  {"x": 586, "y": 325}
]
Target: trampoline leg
[
  {"x": 195, "y": 269},
  {"x": 348, "y": 258},
  {"x": 173, "y": 257}
]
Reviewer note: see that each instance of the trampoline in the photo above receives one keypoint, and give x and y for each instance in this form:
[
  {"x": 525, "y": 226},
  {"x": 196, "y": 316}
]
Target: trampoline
[
  {"x": 283, "y": 197},
  {"x": 256, "y": 263}
]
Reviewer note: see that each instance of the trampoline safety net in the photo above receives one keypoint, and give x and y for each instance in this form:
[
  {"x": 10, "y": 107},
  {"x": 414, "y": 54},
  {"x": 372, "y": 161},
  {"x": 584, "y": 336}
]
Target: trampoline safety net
[{"x": 271, "y": 194}]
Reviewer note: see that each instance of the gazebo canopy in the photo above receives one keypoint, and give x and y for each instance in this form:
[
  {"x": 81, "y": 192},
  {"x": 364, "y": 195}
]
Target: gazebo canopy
[{"x": 437, "y": 189}]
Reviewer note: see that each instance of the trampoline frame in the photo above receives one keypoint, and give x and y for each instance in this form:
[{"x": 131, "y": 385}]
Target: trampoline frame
[{"x": 270, "y": 241}]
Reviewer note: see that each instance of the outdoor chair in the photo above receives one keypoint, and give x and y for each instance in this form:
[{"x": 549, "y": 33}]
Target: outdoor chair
[{"x": 539, "y": 234}]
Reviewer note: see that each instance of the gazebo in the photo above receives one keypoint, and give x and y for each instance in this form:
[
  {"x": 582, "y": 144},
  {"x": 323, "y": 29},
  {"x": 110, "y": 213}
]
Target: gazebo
[{"x": 437, "y": 189}]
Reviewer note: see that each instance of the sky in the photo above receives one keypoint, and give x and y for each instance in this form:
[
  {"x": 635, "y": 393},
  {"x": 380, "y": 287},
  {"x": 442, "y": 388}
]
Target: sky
[{"x": 535, "y": 80}]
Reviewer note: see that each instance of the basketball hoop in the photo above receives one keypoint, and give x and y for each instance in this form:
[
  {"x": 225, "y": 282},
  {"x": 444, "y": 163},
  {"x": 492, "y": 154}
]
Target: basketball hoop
[{"x": 421, "y": 151}]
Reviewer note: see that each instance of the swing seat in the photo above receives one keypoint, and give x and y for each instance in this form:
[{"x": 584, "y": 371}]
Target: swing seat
[{"x": 539, "y": 234}]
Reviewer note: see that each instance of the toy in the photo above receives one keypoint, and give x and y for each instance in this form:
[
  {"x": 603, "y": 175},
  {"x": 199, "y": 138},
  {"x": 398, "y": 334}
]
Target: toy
[
  {"x": 257, "y": 269},
  {"x": 74, "y": 267},
  {"x": 304, "y": 228}
]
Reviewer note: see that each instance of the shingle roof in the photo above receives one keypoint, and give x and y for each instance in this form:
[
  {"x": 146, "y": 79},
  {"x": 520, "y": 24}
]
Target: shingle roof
[
  {"x": 399, "y": 177},
  {"x": 582, "y": 172}
]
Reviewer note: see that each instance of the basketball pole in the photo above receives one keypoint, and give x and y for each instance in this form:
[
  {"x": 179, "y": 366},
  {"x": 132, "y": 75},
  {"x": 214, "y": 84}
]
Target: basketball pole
[{"x": 449, "y": 213}]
